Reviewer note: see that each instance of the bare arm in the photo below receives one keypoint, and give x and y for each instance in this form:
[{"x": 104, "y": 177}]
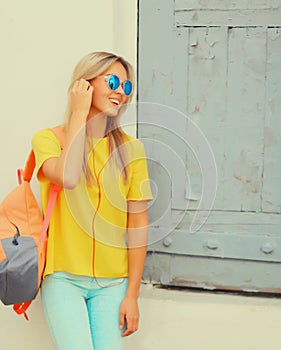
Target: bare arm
[
  {"x": 66, "y": 169},
  {"x": 137, "y": 240}
]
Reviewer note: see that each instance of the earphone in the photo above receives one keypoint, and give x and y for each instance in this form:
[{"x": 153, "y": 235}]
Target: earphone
[{"x": 96, "y": 211}]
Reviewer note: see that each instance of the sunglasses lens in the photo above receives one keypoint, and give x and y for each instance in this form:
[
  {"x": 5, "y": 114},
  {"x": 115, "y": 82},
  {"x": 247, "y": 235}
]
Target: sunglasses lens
[
  {"x": 113, "y": 82},
  {"x": 128, "y": 87}
]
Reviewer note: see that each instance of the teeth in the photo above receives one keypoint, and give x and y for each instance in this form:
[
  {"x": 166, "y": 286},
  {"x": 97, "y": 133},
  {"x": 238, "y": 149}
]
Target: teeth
[{"x": 114, "y": 101}]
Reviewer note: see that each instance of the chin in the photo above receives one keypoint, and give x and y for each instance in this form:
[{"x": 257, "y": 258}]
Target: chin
[{"x": 112, "y": 112}]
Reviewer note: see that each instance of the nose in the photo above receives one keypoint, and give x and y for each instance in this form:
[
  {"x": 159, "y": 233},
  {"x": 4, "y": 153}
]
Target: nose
[{"x": 120, "y": 89}]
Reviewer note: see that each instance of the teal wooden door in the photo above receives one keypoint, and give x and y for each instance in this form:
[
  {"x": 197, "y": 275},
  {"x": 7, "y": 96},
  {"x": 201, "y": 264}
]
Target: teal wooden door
[{"x": 215, "y": 65}]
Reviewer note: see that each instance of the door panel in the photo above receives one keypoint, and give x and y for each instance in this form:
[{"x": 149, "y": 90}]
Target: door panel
[{"x": 215, "y": 65}]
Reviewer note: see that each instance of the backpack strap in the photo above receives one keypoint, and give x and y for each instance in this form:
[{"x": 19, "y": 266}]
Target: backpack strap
[
  {"x": 29, "y": 167},
  {"x": 21, "y": 308},
  {"x": 55, "y": 189}
]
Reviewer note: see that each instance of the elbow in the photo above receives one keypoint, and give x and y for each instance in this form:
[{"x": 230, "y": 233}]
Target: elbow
[
  {"x": 70, "y": 183},
  {"x": 62, "y": 176}
]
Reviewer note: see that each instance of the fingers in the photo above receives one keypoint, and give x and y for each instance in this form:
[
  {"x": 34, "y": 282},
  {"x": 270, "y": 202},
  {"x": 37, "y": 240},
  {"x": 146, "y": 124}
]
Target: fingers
[
  {"x": 82, "y": 85},
  {"x": 132, "y": 324},
  {"x": 81, "y": 96},
  {"x": 122, "y": 320}
]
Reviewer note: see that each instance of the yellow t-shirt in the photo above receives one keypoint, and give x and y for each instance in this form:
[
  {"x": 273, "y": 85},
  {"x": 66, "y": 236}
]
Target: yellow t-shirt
[{"x": 75, "y": 217}]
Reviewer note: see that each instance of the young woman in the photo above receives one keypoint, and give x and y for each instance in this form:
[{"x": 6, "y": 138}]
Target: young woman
[{"x": 98, "y": 230}]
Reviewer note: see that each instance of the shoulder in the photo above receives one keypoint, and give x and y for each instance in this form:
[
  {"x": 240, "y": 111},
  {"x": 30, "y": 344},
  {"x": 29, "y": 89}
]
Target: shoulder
[
  {"x": 134, "y": 146},
  {"x": 132, "y": 141},
  {"x": 45, "y": 135}
]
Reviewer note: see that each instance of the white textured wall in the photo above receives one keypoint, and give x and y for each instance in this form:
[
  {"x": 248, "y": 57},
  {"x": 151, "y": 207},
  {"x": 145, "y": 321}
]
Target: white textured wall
[{"x": 41, "y": 41}]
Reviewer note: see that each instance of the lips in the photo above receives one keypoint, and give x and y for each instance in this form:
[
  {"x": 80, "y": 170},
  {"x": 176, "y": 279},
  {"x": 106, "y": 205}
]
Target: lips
[{"x": 115, "y": 101}]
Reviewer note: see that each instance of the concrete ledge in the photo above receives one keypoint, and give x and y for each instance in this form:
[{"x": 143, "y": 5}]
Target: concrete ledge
[{"x": 172, "y": 319}]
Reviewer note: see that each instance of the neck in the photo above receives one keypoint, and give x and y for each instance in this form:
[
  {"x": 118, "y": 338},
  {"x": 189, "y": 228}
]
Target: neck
[{"x": 96, "y": 125}]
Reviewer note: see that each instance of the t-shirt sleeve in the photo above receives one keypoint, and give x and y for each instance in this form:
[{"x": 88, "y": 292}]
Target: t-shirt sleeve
[
  {"x": 139, "y": 185},
  {"x": 45, "y": 145}
]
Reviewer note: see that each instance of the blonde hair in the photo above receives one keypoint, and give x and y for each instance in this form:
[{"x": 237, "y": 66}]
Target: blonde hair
[{"x": 88, "y": 68}]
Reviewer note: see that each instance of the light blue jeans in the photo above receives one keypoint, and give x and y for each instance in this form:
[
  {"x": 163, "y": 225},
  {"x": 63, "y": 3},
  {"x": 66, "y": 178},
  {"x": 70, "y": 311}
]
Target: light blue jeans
[{"x": 81, "y": 314}]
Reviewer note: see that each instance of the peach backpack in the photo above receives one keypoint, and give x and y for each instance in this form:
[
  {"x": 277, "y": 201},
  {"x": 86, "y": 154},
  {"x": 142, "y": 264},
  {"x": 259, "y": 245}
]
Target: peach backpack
[{"x": 23, "y": 238}]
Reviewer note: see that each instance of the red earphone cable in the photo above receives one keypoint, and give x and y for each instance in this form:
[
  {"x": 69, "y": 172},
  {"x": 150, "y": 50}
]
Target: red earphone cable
[{"x": 94, "y": 217}]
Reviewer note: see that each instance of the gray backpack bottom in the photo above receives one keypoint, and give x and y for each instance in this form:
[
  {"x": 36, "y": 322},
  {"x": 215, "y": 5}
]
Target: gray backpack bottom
[{"x": 19, "y": 272}]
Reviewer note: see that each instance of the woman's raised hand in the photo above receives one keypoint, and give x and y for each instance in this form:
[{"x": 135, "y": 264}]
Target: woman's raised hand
[{"x": 81, "y": 97}]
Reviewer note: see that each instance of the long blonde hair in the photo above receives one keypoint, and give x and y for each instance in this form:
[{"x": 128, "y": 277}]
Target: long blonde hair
[{"x": 88, "y": 68}]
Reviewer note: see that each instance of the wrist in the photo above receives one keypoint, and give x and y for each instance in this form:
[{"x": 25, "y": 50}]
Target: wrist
[
  {"x": 130, "y": 298},
  {"x": 79, "y": 115},
  {"x": 133, "y": 295}
]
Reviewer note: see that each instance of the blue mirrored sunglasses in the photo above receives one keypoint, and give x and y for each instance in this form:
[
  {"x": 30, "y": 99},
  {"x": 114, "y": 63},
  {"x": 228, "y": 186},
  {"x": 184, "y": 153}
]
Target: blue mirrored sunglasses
[{"x": 113, "y": 83}]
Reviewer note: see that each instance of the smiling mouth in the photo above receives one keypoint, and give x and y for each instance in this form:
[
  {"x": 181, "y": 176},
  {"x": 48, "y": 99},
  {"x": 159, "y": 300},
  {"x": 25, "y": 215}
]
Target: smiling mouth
[{"x": 114, "y": 101}]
